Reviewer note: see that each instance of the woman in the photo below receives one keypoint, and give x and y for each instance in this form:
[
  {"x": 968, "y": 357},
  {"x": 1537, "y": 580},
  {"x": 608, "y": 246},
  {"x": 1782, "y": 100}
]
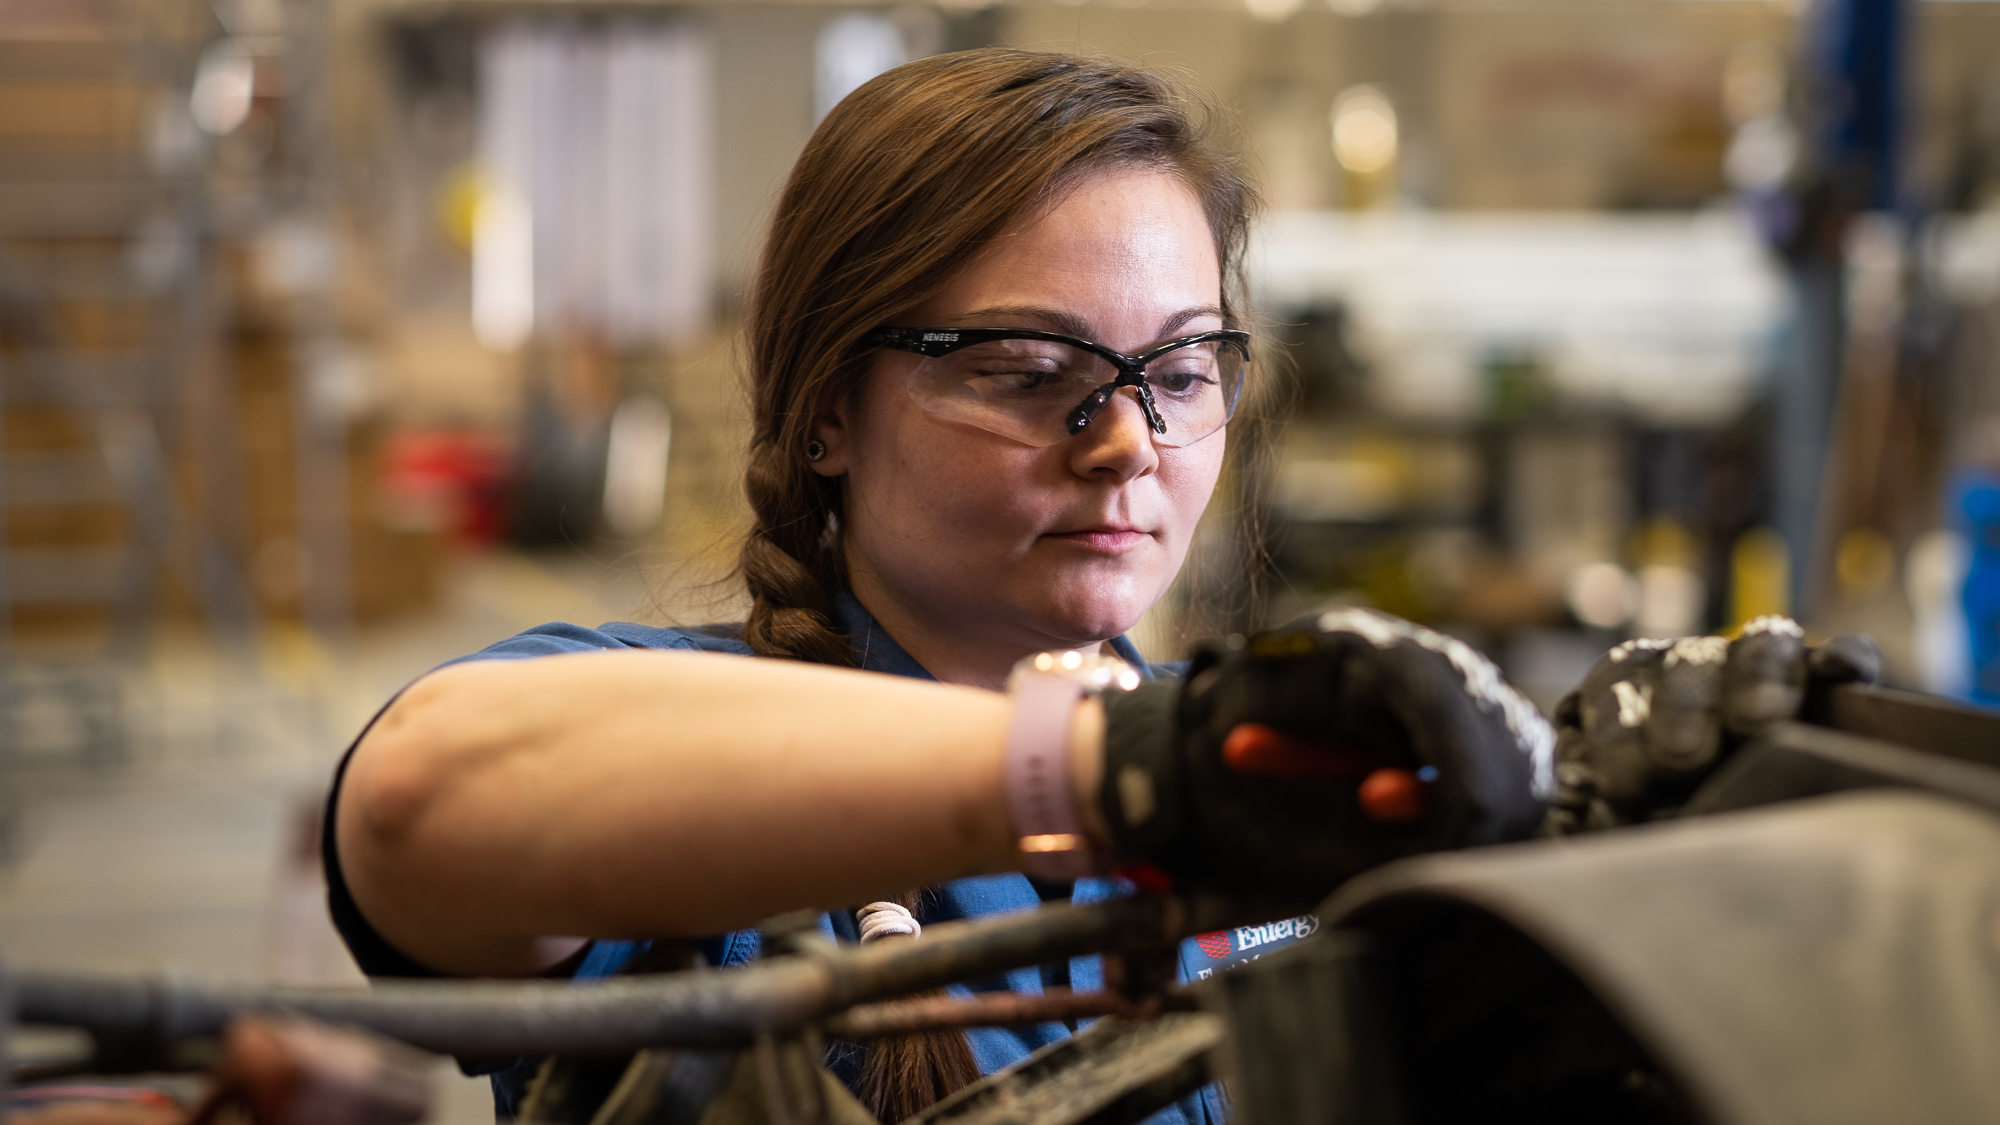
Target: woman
[{"x": 931, "y": 501}]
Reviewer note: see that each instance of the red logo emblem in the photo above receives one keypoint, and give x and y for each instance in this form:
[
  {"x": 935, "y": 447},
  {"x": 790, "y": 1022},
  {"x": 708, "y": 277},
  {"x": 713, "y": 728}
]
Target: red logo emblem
[{"x": 1216, "y": 945}]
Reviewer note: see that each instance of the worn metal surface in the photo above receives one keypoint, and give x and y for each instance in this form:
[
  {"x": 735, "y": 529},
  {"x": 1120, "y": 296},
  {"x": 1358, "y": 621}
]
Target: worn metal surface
[
  {"x": 623, "y": 1014},
  {"x": 1824, "y": 962},
  {"x": 1923, "y": 722},
  {"x": 1114, "y": 1073},
  {"x": 1307, "y": 1036},
  {"x": 568, "y": 1089},
  {"x": 995, "y": 1009},
  {"x": 668, "y": 1087},
  {"x": 1795, "y": 760}
]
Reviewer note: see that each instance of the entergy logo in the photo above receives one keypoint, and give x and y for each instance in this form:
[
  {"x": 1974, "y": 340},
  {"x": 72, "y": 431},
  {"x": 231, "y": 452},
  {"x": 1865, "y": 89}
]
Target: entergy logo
[{"x": 1250, "y": 937}]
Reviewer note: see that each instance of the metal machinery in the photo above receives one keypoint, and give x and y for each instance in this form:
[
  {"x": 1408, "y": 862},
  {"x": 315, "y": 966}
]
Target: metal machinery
[{"x": 1814, "y": 938}]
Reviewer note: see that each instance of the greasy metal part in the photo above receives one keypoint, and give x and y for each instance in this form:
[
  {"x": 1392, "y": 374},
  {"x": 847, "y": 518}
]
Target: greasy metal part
[
  {"x": 1308, "y": 1036},
  {"x": 996, "y": 1009},
  {"x": 667, "y": 1087},
  {"x": 568, "y": 1089},
  {"x": 1827, "y": 961},
  {"x": 461, "y": 1018},
  {"x": 623, "y": 1014},
  {"x": 1140, "y": 974},
  {"x": 1795, "y": 760},
  {"x": 1114, "y": 1073},
  {"x": 572, "y": 1089},
  {"x": 789, "y": 1075},
  {"x": 126, "y": 1054},
  {"x": 1923, "y": 722}
]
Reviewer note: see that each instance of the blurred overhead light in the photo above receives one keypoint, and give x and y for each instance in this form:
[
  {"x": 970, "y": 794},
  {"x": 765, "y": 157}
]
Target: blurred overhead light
[
  {"x": 1364, "y": 130},
  {"x": 1761, "y": 155},
  {"x": 223, "y": 84},
  {"x": 1354, "y": 7},
  {"x": 635, "y": 465},
  {"x": 1275, "y": 11},
  {"x": 1602, "y": 595},
  {"x": 503, "y": 271},
  {"x": 1671, "y": 599},
  {"x": 1934, "y": 579}
]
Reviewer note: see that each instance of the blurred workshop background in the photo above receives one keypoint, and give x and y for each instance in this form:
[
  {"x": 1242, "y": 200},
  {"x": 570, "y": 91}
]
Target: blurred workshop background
[{"x": 340, "y": 337}]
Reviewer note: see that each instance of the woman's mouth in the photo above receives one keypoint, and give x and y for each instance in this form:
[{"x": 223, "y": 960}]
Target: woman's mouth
[{"x": 1103, "y": 540}]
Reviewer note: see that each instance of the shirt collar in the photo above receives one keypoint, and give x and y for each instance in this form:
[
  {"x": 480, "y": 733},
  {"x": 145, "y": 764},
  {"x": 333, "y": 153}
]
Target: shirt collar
[{"x": 876, "y": 651}]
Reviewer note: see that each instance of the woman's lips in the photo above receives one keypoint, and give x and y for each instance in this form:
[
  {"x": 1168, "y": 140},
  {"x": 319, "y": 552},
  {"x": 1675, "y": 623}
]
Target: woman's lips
[{"x": 1104, "y": 540}]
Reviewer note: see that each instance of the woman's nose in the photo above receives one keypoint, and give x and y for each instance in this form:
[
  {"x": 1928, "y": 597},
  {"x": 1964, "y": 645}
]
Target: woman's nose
[{"x": 1118, "y": 442}]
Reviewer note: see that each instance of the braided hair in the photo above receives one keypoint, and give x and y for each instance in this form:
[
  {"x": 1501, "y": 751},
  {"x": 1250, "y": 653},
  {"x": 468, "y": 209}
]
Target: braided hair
[{"x": 901, "y": 185}]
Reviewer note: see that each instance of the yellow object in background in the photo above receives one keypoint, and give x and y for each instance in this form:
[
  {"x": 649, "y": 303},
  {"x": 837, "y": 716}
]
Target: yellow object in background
[
  {"x": 1664, "y": 541},
  {"x": 459, "y": 198},
  {"x": 1365, "y": 144},
  {"x": 1760, "y": 569},
  {"x": 1864, "y": 564}
]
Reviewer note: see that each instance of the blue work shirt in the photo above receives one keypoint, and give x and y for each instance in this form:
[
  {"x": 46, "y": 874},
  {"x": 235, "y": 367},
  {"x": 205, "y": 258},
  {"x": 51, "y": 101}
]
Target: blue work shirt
[{"x": 979, "y": 897}]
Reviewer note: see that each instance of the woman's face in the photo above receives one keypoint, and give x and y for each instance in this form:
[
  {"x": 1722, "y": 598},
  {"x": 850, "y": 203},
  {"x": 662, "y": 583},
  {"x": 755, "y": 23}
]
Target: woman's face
[{"x": 957, "y": 537}]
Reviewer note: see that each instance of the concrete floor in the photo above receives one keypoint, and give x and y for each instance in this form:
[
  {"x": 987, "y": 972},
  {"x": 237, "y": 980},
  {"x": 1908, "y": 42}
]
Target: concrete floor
[{"x": 194, "y": 854}]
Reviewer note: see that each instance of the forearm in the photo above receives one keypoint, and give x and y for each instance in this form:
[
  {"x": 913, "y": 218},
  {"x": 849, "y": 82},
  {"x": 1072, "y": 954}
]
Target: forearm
[{"x": 659, "y": 794}]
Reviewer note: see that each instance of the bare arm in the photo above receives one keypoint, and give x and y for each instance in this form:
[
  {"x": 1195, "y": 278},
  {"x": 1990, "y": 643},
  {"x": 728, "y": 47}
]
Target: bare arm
[{"x": 643, "y": 794}]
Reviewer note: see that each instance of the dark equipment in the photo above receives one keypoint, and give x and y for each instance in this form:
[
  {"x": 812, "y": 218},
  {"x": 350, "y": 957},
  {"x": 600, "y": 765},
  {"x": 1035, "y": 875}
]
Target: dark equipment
[{"x": 1815, "y": 938}]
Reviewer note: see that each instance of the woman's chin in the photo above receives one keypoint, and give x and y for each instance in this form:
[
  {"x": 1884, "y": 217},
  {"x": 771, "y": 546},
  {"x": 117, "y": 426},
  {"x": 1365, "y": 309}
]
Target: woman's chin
[{"x": 1079, "y": 621}]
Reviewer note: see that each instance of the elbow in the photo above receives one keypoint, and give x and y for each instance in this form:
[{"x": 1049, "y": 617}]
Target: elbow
[{"x": 404, "y": 765}]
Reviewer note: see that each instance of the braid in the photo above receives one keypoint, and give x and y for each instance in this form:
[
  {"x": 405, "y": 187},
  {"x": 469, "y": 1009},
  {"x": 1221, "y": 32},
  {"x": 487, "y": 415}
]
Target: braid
[
  {"x": 787, "y": 564},
  {"x": 907, "y": 1074}
]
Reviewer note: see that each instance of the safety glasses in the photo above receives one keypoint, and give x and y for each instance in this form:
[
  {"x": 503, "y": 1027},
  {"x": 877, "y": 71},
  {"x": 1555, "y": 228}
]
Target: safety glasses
[{"x": 1039, "y": 388}]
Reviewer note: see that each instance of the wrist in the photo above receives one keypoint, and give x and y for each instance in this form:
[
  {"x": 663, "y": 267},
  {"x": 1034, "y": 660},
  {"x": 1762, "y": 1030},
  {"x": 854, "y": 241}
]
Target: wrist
[
  {"x": 1086, "y": 771},
  {"x": 1054, "y": 760}
]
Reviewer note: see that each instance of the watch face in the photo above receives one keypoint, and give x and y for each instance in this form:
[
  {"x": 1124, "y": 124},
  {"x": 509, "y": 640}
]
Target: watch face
[{"x": 1095, "y": 672}]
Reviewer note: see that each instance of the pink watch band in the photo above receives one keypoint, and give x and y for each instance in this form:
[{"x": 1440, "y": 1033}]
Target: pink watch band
[{"x": 1038, "y": 780}]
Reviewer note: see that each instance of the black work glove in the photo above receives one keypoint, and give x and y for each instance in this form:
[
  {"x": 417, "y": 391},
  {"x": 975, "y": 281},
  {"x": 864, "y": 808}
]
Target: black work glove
[
  {"x": 1655, "y": 718},
  {"x": 1295, "y": 759}
]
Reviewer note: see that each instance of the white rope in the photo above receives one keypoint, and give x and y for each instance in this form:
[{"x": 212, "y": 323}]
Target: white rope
[{"x": 886, "y": 919}]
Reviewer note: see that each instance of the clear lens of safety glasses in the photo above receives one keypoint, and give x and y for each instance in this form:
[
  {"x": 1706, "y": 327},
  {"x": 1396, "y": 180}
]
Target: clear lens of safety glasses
[{"x": 1032, "y": 390}]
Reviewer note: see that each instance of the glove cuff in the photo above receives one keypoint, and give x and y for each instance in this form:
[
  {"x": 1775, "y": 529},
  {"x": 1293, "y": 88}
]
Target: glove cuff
[{"x": 1142, "y": 795}]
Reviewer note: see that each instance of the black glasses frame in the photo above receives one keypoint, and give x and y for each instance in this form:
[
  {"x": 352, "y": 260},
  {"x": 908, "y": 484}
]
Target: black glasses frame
[{"x": 934, "y": 342}]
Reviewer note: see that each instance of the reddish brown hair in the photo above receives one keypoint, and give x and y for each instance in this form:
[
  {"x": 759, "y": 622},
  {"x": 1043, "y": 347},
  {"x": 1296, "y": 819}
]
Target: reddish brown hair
[{"x": 902, "y": 184}]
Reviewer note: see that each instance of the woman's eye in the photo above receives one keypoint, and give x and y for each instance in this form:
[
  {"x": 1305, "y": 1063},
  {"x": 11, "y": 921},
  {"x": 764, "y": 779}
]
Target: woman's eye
[
  {"x": 1185, "y": 382},
  {"x": 1019, "y": 380}
]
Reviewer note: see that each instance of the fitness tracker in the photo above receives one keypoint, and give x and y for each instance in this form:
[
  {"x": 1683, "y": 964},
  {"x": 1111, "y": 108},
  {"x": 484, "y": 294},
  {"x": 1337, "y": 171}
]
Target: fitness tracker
[{"x": 1046, "y": 688}]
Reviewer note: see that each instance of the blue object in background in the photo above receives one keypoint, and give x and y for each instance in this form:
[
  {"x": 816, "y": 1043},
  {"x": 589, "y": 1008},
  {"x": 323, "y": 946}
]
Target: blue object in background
[
  {"x": 1855, "y": 73},
  {"x": 1976, "y": 510}
]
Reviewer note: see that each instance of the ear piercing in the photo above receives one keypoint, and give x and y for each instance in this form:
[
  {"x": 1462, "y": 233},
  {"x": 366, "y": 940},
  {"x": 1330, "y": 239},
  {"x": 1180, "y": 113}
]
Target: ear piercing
[{"x": 815, "y": 449}]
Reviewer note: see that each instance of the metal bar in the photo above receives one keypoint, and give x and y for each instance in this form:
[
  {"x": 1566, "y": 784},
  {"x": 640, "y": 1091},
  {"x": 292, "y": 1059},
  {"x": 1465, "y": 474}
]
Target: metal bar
[
  {"x": 698, "y": 1009},
  {"x": 1000, "y": 1009},
  {"x": 1796, "y": 760},
  {"x": 1114, "y": 1073},
  {"x": 1923, "y": 722}
]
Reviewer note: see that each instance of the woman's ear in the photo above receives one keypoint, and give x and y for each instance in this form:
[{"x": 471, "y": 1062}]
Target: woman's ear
[{"x": 829, "y": 438}]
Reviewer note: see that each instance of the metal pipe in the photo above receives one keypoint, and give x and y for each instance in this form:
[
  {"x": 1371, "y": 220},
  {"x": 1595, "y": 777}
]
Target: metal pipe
[
  {"x": 702, "y": 1008},
  {"x": 997, "y": 1009}
]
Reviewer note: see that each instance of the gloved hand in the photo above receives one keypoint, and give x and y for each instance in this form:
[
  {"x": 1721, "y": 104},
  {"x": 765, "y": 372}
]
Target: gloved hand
[
  {"x": 1295, "y": 759},
  {"x": 1655, "y": 718}
]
